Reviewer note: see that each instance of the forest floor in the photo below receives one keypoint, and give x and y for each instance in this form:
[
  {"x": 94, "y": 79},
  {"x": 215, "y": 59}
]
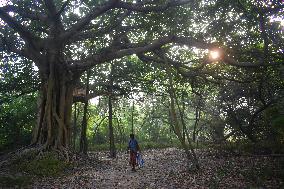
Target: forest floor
[{"x": 166, "y": 168}]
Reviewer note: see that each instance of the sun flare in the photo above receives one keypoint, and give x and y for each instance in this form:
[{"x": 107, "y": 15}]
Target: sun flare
[{"x": 214, "y": 55}]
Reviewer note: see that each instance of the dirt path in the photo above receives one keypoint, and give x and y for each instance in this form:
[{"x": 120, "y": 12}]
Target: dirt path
[
  {"x": 166, "y": 169},
  {"x": 153, "y": 175},
  {"x": 116, "y": 173}
]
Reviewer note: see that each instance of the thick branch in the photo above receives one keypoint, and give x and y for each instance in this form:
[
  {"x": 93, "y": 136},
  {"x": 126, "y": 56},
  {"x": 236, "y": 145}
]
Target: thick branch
[
  {"x": 111, "y": 4},
  {"x": 186, "y": 71},
  {"x": 63, "y": 7},
  {"x": 147, "y": 9},
  {"x": 80, "y": 25},
  {"x": 258, "y": 111},
  {"x": 233, "y": 62},
  {"x": 95, "y": 94},
  {"x": 273, "y": 10},
  {"x": 100, "y": 32},
  {"x": 113, "y": 54},
  {"x": 54, "y": 16},
  {"x": 26, "y": 13},
  {"x": 22, "y": 30},
  {"x": 50, "y": 7},
  {"x": 7, "y": 45}
]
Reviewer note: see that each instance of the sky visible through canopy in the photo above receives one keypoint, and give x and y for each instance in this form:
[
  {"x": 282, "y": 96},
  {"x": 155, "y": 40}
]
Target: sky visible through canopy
[{"x": 2, "y": 2}]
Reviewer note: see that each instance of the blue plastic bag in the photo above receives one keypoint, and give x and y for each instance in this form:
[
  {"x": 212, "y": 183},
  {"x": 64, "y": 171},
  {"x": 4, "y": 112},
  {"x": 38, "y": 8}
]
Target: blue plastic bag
[{"x": 140, "y": 160}]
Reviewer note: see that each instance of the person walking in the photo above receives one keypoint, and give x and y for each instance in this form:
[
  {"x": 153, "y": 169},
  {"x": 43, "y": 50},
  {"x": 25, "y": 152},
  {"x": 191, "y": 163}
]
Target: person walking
[{"x": 133, "y": 146}]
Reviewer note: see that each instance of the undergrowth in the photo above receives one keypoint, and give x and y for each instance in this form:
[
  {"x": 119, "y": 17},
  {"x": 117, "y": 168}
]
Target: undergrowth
[
  {"x": 47, "y": 165},
  {"x": 14, "y": 181},
  {"x": 122, "y": 147},
  {"x": 28, "y": 166}
]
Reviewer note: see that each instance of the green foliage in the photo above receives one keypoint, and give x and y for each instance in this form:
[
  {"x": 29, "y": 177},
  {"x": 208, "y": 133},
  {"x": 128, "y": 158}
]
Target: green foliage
[
  {"x": 30, "y": 165},
  {"x": 155, "y": 145},
  {"x": 278, "y": 123},
  {"x": 105, "y": 147},
  {"x": 257, "y": 176},
  {"x": 14, "y": 181},
  {"x": 123, "y": 147},
  {"x": 226, "y": 97},
  {"x": 18, "y": 83},
  {"x": 247, "y": 147},
  {"x": 17, "y": 77},
  {"x": 16, "y": 121},
  {"x": 48, "y": 165}
]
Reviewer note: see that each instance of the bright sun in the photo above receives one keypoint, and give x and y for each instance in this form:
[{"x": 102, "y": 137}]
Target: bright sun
[{"x": 214, "y": 55}]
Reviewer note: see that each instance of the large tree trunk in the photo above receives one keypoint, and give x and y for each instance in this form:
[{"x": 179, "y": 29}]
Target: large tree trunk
[{"x": 55, "y": 108}]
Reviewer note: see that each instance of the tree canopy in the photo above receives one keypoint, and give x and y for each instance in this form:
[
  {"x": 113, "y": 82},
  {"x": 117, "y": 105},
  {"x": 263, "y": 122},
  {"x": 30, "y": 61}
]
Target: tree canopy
[{"x": 218, "y": 63}]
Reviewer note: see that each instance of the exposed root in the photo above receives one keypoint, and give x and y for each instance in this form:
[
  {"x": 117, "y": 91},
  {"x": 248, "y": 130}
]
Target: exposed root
[
  {"x": 63, "y": 153},
  {"x": 9, "y": 158},
  {"x": 32, "y": 152}
]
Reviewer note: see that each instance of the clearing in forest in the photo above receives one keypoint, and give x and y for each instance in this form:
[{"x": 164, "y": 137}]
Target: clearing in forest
[{"x": 165, "y": 168}]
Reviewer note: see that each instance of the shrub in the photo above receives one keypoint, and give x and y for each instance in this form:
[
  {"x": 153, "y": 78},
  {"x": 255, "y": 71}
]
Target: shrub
[
  {"x": 47, "y": 165},
  {"x": 15, "y": 182}
]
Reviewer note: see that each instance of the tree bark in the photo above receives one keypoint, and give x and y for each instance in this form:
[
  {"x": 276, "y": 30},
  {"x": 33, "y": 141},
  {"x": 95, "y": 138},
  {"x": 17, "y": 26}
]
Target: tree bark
[
  {"x": 111, "y": 135},
  {"x": 55, "y": 108},
  {"x": 197, "y": 118},
  {"x": 75, "y": 116},
  {"x": 83, "y": 140},
  {"x": 190, "y": 154},
  {"x": 132, "y": 118},
  {"x": 120, "y": 133}
]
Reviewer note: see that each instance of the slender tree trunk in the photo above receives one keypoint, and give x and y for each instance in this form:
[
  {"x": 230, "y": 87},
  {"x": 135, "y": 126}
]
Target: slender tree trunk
[
  {"x": 120, "y": 133},
  {"x": 197, "y": 118},
  {"x": 186, "y": 134},
  {"x": 195, "y": 124},
  {"x": 177, "y": 128},
  {"x": 55, "y": 108},
  {"x": 74, "y": 126},
  {"x": 83, "y": 140},
  {"x": 132, "y": 118},
  {"x": 111, "y": 135},
  {"x": 97, "y": 127}
]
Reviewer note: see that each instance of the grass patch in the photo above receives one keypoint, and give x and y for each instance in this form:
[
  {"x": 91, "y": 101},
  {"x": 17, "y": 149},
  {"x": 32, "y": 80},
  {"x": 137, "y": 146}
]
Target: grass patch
[
  {"x": 47, "y": 165},
  {"x": 123, "y": 147},
  {"x": 21, "y": 170},
  {"x": 246, "y": 147},
  {"x": 258, "y": 176},
  {"x": 254, "y": 176},
  {"x": 155, "y": 145},
  {"x": 14, "y": 182},
  {"x": 105, "y": 147}
]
